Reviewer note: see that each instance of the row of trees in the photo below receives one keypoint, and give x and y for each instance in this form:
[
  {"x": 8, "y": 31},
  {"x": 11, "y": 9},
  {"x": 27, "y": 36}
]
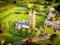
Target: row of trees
[{"x": 24, "y": 2}]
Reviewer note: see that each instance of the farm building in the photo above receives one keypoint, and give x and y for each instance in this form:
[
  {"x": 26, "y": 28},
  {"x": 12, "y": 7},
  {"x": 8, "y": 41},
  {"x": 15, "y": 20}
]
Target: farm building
[
  {"x": 52, "y": 24},
  {"x": 50, "y": 14},
  {"x": 21, "y": 24}
]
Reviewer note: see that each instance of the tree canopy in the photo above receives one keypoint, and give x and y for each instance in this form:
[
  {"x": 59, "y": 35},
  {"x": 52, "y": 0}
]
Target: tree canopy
[
  {"x": 24, "y": 2},
  {"x": 4, "y": 26}
]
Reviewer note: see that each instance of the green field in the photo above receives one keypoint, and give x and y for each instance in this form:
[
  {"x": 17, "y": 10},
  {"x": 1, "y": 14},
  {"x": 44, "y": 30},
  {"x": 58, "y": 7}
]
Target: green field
[
  {"x": 39, "y": 32},
  {"x": 12, "y": 17}
]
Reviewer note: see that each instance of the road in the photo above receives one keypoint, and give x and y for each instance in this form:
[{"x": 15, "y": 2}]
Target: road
[{"x": 35, "y": 39}]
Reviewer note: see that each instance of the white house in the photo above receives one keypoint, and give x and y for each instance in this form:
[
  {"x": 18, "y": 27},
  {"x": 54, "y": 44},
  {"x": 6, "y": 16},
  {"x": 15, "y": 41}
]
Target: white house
[{"x": 21, "y": 24}]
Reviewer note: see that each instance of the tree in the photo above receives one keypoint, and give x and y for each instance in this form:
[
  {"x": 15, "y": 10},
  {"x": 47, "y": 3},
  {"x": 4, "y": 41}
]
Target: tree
[
  {"x": 0, "y": 28},
  {"x": 57, "y": 0},
  {"x": 39, "y": 1},
  {"x": 49, "y": 0},
  {"x": 4, "y": 26},
  {"x": 52, "y": 37},
  {"x": 52, "y": 18},
  {"x": 4, "y": 2},
  {"x": 29, "y": 41},
  {"x": 33, "y": 33}
]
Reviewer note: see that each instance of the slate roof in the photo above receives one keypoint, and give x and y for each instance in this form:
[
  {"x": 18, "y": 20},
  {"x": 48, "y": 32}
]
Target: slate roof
[
  {"x": 20, "y": 24},
  {"x": 53, "y": 24}
]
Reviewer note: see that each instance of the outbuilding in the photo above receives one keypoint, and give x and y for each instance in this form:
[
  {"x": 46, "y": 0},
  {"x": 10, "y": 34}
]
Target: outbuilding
[{"x": 21, "y": 24}]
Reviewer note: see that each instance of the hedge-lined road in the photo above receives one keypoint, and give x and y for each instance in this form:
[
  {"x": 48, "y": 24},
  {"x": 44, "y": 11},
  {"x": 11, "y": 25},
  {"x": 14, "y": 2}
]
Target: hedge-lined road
[{"x": 36, "y": 39}]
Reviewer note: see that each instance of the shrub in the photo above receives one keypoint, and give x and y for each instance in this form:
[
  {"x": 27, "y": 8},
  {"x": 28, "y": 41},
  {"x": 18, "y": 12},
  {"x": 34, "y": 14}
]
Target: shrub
[
  {"x": 33, "y": 33},
  {"x": 52, "y": 37},
  {"x": 4, "y": 25},
  {"x": 51, "y": 19}
]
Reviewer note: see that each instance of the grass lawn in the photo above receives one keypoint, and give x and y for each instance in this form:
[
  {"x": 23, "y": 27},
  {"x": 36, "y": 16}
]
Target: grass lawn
[
  {"x": 6, "y": 13},
  {"x": 49, "y": 30},
  {"x": 55, "y": 4},
  {"x": 12, "y": 17},
  {"x": 9, "y": 37},
  {"x": 42, "y": 42}
]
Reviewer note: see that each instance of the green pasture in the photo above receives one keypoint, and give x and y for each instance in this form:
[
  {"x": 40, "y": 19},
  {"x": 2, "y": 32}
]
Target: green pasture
[{"x": 12, "y": 17}]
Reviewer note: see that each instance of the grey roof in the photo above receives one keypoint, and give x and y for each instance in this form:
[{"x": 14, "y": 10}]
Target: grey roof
[
  {"x": 57, "y": 27},
  {"x": 22, "y": 23},
  {"x": 53, "y": 24}
]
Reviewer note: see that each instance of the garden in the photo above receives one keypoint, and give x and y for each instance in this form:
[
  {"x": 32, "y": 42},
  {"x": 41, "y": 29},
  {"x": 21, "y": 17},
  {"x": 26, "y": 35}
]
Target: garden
[{"x": 17, "y": 12}]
